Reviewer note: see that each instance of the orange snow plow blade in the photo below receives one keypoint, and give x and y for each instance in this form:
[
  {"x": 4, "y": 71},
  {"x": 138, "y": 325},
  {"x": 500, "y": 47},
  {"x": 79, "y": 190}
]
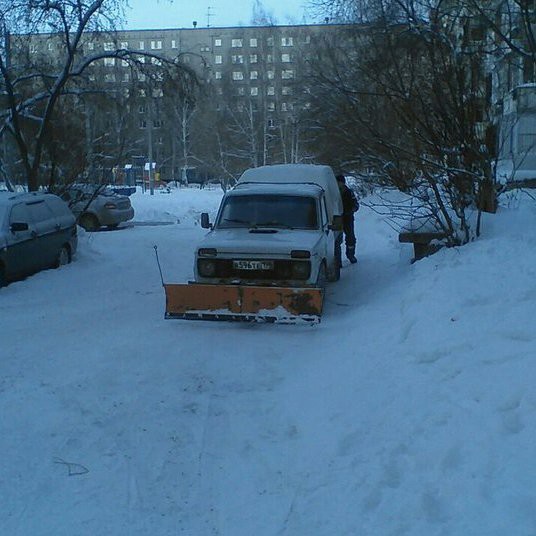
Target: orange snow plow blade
[{"x": 236, "y": 302}]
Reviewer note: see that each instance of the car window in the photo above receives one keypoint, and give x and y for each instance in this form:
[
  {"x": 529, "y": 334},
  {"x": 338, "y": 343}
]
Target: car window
[
  {"x": 19, "y": 214},
  {"x": 267, "y": 210},
  {"x": 58, "y": 206},
  {"x": 40, "y": 212}
]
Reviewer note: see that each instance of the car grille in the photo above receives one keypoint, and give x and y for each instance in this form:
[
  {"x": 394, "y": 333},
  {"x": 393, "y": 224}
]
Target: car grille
[{"x": 282, "y": 270}]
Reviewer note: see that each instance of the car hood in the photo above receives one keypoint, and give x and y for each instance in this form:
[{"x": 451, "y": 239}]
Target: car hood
[{"x": 243, "y": 241}]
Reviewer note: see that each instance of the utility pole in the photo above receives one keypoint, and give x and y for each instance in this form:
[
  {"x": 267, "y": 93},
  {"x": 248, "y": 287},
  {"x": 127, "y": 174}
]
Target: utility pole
[{"x": 150, "y": 143}]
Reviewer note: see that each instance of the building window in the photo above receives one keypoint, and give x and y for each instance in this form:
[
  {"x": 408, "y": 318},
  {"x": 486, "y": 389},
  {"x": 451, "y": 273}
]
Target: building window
[
  {"x": 271, "y": 123},
  {"x": 219, "y": 91},
  {"x": 156, "y": 61},
  {"x": 254, "y": 91},
  {"x": 50, "y": 46},
  {"x": 141, "y": 77},
  {"x": 142, "y": 93},
  {"x": 286, "y": 106},
  {"x": 217, "y": 42},
  {"x": 157, "y": 123},
  {"x": 527, "y": 143},
  {"x": 285, "y": 90},
  {"x": 307, "y": 39},
  {"x": 253, "y": 58},
  {"x": 92, "y": 78},
  {"x": 270, "y": 75},
  {"x": 241, "y": 91},
  {"x": 124, "y": 63},
  {"x": 141, "y": 59},
  {"x": 158, "y": 93},
  {"x": 109, "y": 77},
  {"x": 270, "y": 90},
  {"x": 218, "y": 60},
  {"x": 238, "y": 75},
  {"x": 286, "y": 41},
  {"x": 141, "y": 109},
  {"x": 33, "y": 49},
  {"x": 287, "y": 74},
  {"x": 124, "y": 45},
  {"x": 90, "y": 46},
  {"x": 269, "y": 58},
  {"x": 205, "y": 49},
  {"x": 236, "y": 43},
  {"x": 270, "y": 41},
  {"x": 173, "y": 43},
  {"x": 217, "y": 75},
  {"x": 142, "y": 45},
  {"x": 253, "y": 42},
  {"x": 126, "y": 77},
  {"x": 253, "y": 75},
  {"x": 108, "y": 47},
  {"x": 156, "y": 45},
  {"x": 271, "y": 106},
  {"x": 109, "y": 62},
  {"x": 285, "y": 58},
  {"x": 237, "y": 59},
  {"x": 142, "y": 123}
]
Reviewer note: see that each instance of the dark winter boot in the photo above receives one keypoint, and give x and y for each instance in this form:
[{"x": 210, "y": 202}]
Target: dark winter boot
[{"x": 350, "y": 255}]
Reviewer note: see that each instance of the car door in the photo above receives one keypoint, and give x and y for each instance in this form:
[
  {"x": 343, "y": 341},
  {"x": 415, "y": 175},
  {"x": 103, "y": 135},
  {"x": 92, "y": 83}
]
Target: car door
[
  {"x": 21, "y": 254},
  {"x": 46, "y": 225},
  {"x": 330, "y": 238}
]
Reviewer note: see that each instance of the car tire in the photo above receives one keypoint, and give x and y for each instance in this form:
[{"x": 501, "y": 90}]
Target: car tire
[
  {"x": 64, "y": 257},
  {"x": 89, "y": 222}
]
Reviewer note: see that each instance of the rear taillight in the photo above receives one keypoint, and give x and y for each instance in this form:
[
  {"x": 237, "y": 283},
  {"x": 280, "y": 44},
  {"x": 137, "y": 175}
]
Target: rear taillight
[{"x": 110, "y": 206}]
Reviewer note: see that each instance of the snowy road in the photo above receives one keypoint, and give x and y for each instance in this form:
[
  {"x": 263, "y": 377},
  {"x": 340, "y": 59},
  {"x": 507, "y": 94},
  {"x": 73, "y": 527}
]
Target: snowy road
[{"x": 408, "y": 410}]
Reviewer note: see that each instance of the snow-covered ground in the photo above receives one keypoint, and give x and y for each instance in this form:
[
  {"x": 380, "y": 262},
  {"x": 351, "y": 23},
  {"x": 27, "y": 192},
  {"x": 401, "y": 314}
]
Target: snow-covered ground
[{"x": 410, "y": 410}]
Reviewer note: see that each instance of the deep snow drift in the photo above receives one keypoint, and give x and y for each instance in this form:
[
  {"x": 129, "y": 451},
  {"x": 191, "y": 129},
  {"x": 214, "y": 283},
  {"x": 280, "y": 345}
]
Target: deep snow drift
[{"x": 410, "y": 410}]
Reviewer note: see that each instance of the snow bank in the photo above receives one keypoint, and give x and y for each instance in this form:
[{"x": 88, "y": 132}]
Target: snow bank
[{"x": 409, "y": 410}]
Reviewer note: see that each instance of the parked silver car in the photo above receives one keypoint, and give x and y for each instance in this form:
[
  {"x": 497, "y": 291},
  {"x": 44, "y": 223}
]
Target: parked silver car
[
  {"x": 96, "y": 206},
  {"x": 37, "y": 231}
]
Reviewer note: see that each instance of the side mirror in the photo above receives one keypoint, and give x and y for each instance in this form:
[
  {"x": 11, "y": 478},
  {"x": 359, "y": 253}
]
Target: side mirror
[
  {"x": 18, "y": 226},
  {"x": 336, "y": 224},
  {"x": 205, "y": 222}
]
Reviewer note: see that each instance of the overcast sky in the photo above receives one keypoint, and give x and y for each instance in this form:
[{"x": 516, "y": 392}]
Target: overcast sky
[{"x": 180, "y": 13}]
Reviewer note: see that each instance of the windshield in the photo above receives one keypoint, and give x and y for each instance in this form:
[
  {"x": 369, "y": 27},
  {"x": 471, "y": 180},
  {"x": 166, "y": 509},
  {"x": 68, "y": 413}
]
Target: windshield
[{"x": 285, "y": 211}]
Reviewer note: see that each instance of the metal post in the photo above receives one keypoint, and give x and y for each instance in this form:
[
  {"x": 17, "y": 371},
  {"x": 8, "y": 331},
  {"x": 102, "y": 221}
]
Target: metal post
[{"x": 150, "y": 142}]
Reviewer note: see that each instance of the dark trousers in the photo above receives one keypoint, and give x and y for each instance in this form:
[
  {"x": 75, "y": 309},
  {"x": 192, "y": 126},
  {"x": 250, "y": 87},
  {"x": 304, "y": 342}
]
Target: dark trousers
[{"x": 349, "y": 233}]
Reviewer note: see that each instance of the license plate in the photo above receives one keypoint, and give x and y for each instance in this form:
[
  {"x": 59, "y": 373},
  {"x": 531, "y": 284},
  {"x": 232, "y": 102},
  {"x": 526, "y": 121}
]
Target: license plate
[{"x": 253, "y": 265}]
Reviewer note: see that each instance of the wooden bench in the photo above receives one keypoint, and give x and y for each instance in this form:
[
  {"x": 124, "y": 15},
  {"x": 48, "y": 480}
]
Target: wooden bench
[{"x": 421, "y": 242}]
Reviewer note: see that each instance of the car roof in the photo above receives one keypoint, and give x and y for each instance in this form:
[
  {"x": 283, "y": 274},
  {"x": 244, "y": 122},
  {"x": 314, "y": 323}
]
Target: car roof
[
  {"x": 302, "y": 189},
  {"x": 7, "y": 198}
]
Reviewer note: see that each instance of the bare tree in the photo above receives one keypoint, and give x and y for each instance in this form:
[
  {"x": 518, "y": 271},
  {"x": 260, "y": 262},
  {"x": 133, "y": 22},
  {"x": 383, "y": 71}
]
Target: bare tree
[
  {"x": 412, "y": 110},
  {"x": 35, "y": 85}
]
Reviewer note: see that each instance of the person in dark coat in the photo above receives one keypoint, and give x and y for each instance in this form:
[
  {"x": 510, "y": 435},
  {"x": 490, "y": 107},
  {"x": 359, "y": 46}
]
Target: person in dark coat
[{"x": 349, "y": 206}]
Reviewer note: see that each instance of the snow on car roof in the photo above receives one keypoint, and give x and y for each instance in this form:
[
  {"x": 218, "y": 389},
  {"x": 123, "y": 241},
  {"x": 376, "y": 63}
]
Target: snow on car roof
[
  {"x": 279, "y": 188},
  {"x": 289, "y": 173},
  {"x": 7, "y": 197}
]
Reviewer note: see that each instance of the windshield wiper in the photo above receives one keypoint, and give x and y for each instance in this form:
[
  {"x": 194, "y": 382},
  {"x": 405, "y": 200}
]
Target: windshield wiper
[
  {"x": 235, "y": 220},
  {"x": 272, "y": 224}
]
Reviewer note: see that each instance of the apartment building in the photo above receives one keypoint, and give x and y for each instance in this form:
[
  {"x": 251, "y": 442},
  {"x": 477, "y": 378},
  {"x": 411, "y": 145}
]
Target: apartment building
[{"x": 253, "y": 69}]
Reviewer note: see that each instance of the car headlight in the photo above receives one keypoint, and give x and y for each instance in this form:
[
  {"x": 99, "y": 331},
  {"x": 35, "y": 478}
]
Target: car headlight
[
  {"x": 206, "y": 267},
  {"x": 301, "y": 270}
]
